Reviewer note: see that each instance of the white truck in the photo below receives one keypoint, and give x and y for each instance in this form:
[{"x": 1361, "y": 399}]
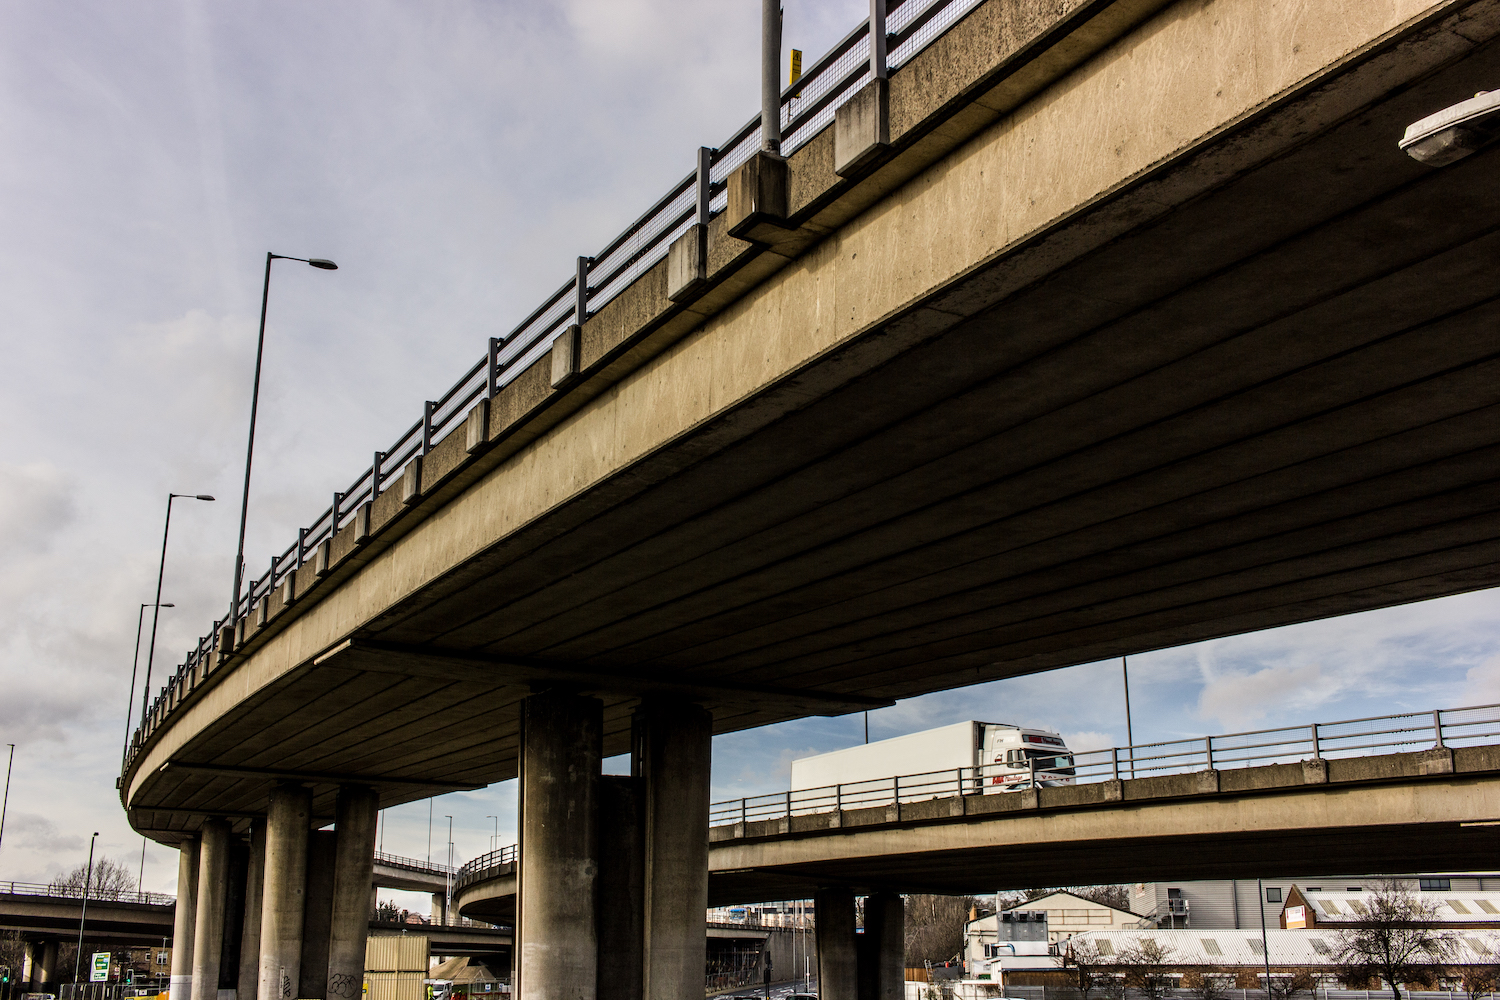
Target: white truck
[{"x": 976, "y": 757}]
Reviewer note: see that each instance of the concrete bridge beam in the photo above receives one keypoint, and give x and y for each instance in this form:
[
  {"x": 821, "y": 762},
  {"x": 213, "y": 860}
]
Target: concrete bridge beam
[
  {"x": 675, "y": 739},
  {"x": 562, "y": 740},
  {"x": 208, "y": 925},
  {"x": 255, "y": 881},
  {"x": 354, "y": 863},
  {"x": 838, "y": 964},
  {"x": 285, "y": 892},
  {"x": 184, "y": 924}
]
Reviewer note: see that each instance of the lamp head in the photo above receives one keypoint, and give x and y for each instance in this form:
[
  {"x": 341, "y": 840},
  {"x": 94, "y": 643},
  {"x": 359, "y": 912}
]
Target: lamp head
[
  {"x": 1454, "y": 132},
  {"x": 326, "y": 265},
  {"x": 202, "y": 496}
]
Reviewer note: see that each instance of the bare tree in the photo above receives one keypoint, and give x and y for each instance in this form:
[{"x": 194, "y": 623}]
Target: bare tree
[
  {"x": 1479, "y": 980},
  {"x": 935, "y": 927},
  {"x": 1145, "y": 965},
  {"x": 388, "y": 912},
  {"x": 1089, "y": 965},
  {"x": 1290, "y": 987},
  {"x": 109, "y": 880},
  {"x": 1117, "y": 896},
  {"x": 1399, "y": 942},
  {"x": 1207, "y": 985}
]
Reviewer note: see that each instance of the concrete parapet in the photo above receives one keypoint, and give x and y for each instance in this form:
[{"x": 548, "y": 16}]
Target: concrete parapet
[
  {"x": 862, "y": 129},
  {"x": 757, "y": 198},
  {"x": 687, "y": 263},
  {"x": 477, "y": 427},
  {"x": 564, "y": 358},
  {"x": 410, "y": 486}
]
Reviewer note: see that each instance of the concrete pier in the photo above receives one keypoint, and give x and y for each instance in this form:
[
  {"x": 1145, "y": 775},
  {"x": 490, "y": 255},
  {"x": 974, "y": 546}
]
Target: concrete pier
[
  {"x": 622, "y": 885},
  {"x": 882, "y": 948},
  {"x": 208, "y": 927},
  {"x": 255, "y": 880},
  {"x": 675, "y": 739},
  {"x": 353, "y": 867},
  {"x": 561, "y": 748},
  {"x": 838, "y": 965},
  {"x": 284, "y": 893},
  {"x": 233, "y": 941},
  {"x": 184, "y": 924},
  {"x": 317, "y": 914}
]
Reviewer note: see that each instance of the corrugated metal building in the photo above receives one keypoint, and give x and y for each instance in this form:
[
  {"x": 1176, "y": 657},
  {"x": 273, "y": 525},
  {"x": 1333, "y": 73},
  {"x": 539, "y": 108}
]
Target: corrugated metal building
[
  {"x": 1288, "y": 950},
  {"x": 1228, "y": 904}
]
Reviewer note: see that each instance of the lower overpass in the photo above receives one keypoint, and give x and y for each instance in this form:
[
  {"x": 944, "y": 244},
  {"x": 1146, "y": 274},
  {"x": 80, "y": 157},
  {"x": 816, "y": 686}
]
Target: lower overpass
[{"x": 1254, "y": 807}]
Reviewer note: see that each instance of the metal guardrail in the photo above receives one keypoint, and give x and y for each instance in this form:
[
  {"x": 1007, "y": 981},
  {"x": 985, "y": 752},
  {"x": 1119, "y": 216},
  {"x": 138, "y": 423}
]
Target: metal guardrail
[
  {"x": 807, "y": 107},
  {"x": 412, "y": 864},
  {"x": 1453, "y": 727},
  {"x": 486, "y": 866},
  {"x": 1385, "y": 734},
  {"x": 94, "y": 895}
]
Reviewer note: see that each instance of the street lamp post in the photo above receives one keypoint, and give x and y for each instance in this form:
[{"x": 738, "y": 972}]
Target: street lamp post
[
  {"x": 88, "y": 877},
  {"x": 161, "y": 570},
  {"x": 495, "y": 840},
  {"x": 135, "y": 663},
  {"x": 5, "y": 803},
  {"x": 260, "y": 347},
  {"x": 448, "y": 875}
]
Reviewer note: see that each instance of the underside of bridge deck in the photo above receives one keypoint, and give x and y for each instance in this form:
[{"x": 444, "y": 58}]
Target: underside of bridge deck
[{"x": 1269, "y": 393}]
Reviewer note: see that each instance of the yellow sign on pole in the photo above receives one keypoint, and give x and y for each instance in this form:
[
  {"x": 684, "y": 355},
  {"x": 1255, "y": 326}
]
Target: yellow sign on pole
[{"x": 796, "y": 69}]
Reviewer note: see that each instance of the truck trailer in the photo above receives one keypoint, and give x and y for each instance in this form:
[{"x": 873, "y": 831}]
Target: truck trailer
[{"x": 965, "y": 758}]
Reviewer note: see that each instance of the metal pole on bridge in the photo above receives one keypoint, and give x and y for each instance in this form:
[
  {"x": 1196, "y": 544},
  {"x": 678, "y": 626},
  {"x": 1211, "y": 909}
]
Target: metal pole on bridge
[{"x": 770, "y": 76}]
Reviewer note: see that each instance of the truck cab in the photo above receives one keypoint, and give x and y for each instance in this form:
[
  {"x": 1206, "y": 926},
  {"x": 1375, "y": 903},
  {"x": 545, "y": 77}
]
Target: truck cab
[{"x": 1011, "y": 759}]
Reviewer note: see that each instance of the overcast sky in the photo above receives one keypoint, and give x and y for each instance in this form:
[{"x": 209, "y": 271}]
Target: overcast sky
[{"x": 453, "y": 158}]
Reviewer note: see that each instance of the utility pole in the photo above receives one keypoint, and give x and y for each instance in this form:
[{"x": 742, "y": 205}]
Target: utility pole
[
  {"x": 1265, "y": 949},
  {"x": 1129, "y": 733}
]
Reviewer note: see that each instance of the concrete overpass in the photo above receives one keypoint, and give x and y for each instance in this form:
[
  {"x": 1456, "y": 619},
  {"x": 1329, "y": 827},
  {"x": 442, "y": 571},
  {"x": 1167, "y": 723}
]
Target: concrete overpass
[
  {"x": 1138, "y": 330},
  {"x": 1391, "y": 813}
]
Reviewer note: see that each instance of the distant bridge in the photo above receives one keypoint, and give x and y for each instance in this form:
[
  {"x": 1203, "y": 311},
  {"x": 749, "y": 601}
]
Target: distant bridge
[{"x": 1423, "y": 785}]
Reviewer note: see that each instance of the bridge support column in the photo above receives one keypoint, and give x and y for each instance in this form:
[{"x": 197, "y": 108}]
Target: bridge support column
[
  {"x": 185, "y": 920},
  {"x": 353, "y": 868},
  {"x": 234, "y": 918},
  {"x": 562, "y": 737},
  {"x": 676, "y": 743},
  {"x": 838, "y": 966},
  {"x": 285, "y": 892},
  {"x": 317, "y": 914},
  {"x": 882, "y": 948},
  {"x": 255, "y": 881},
  {"x": 440, "y": 908},
  {"x": 208, "y": 927},
  {"x": 622, "y": 886}
]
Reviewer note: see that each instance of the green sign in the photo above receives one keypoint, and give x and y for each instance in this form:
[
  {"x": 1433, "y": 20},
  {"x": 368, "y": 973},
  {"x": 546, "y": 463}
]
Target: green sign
[{"x": 99, "y": 973}]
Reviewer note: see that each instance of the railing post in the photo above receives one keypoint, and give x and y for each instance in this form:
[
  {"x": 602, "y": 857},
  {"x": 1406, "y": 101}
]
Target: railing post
[
  {"x": 1031, "y": 768},
  {"x": 301, "y": 545},
  {"x": 375, "y": 475},
  {"x": 838, "y": 797},
  {"x": 896, "y": 790},
  {"x": 333, "y": 525},
  {"x": 1114, "y": 754},
  {"x": 1437, "y": 726},
  {"x": 1317, "y": 755},
  {"x": 581, "y": 292},
  {"x": 789, "y": 808},
  {"x": 427, "y": 410},
  {"x": 744, "y": 815},
  {"x": 493, "y": 368},
  {"x": 878, "y": 69},
  {"x": 1208, "y": 749},
  {"x": 705, "y": 183},
  {"x": 958, "y": 776}
]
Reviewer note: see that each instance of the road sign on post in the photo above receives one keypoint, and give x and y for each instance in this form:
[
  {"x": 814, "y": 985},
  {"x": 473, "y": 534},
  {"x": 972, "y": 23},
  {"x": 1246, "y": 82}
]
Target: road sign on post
[{"x": 99, "y": 972}]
